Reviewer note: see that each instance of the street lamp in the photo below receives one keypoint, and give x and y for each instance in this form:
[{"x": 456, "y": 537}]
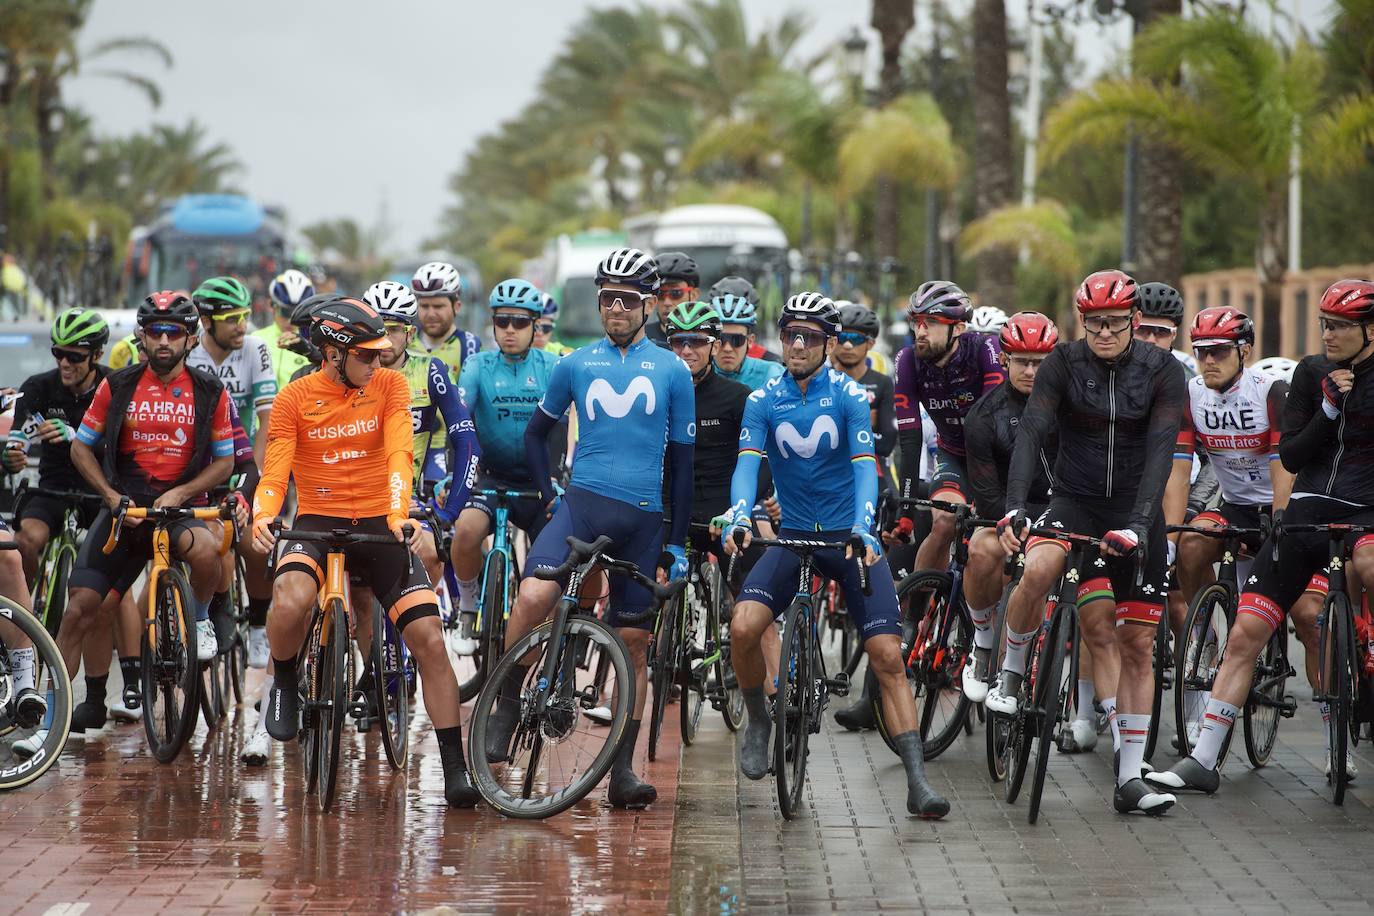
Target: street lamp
[{"x": 855, "y": 48}]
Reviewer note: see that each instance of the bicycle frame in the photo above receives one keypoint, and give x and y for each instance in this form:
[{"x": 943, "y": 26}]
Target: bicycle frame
[{"x": 501, "y": 545}]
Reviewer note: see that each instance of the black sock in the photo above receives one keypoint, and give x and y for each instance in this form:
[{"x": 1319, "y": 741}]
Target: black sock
[
  {"x": 450, "y": 742},
  {"x": 257, "y": 611},
  {"x": 284, "y": 671},
  {"x": 95, "y": 689},
  {"x": 131, "y": 669}
]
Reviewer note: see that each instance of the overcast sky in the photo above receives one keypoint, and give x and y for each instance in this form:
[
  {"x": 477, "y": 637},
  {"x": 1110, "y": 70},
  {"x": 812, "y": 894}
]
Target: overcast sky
[{"x": 341, "y": 107}]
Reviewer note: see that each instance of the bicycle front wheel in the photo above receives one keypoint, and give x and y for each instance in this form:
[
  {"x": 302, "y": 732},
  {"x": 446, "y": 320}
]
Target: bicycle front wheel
[
  {"x": 336, "y": 677},
  {"x": 794, "y": 709},
  {"x": 1338, "y": 680},
  {"x": 389, "y": 681},
  {"x": 171, "y": 673},
  {"x": 726, "y": 695},
  {"x": 1052, "y": 695},
  {"x": 662, "y": 668},
  {"x": 27, "y": 751},
  {"x": 1160, "y": 668},
  {"x": 692, "y": 647},
  {"x": 1261, "y": 714},
  {"x": 1205, "y": 631}
]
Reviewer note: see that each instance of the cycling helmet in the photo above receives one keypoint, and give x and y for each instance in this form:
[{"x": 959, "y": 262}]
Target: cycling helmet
[
  {"x": 1221, "y": 326},
  {"x": 171, "y": 305},
  {"x": 1280, "y": 366},
  {"x": 437, "y": 279},
  {"x": 811, "y": 306},
  {"x": 348, "y": 323},
  {"x": 734, "y": 286},
  {"x": 1160, "y": 300},
  {"x": 939, "y": 299},
  {"x": 550, "y": 306},
  {"x": 517, "y": 294},
  {"x": 678, "y": 265},
  {"x": 1104, "y": 290},
  {"x": 78, "y": 327},
  {"x": 629, "y": 267},
  {"x": 1029, "y": 332},
  {"x": 855, "y": 317},
  {"x": 300, "y": 315},
  {"x": 393, "y": 301},
  {"x": 1352, "y": 299},
  {"x": 290, "y": 288},
  {"x": 694, "y": 316},
  {"x": 221, "y": 294},
  {"x": 735, "y": 309},
  {"x": 987, "y": 319}
]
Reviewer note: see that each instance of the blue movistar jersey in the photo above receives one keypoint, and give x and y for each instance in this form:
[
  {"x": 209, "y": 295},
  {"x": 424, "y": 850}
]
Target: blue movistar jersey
[
  {"x": 819, "y": 447},
  {"x": 629, "y": 406},
  {"x": 753, "y": 373},
  {"x": 502, "y": 393},
  {"x": 457, "y": 452}
]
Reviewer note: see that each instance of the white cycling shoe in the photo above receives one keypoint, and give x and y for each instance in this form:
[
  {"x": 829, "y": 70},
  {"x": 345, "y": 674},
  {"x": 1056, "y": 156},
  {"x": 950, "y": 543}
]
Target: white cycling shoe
[
  {"x": 259, "y": 747},
  {"x": 207, "y": 646},
  {"x": 123, "y": 713},
  {"x": 28, "y": 747},
  {"x": 1080, "y": 737},
  {"x": 1004, "y": 698},
  {"x": 1351, "y": 771},
  {"x": 973, "y": 676},
  {"x": 601, "y": 715},
  {"x": 258, "y": 651}
]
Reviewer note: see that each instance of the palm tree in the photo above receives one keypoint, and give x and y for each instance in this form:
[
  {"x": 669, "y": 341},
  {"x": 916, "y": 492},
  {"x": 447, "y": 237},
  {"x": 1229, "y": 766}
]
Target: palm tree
[
  {"x": 892, "y": 19},
  {"x": 1159, "y": 205},
  {"x": 1234, "y": 113},
  {"x": 723, "y": 63},
  {"x": 992, "y": 165}
]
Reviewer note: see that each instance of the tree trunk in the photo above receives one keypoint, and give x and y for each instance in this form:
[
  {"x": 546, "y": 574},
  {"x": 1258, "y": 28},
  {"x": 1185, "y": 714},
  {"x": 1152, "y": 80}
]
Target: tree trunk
[
  {"x": 1271, "y": 264},
  {"x": 1159, "y": 236},
  {"x": 992, "y": 165},
  {"x": 892, "y": 19}
]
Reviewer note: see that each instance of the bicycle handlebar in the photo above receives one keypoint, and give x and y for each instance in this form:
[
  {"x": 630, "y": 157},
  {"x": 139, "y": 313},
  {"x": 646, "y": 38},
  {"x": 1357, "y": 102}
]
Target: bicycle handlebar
[
  {"x": 164, "y": 515},
  {"x": 1218, "y": 533},
  {"x": 587, "y": 555},
  {"x": 511, "y": 495},
  {"x": 808, "y": 546}
]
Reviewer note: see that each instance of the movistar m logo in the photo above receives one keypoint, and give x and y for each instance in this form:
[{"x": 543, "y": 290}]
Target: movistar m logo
[
  {"x": 806, "y": 446},
  {"x": 616, "y": 404}
]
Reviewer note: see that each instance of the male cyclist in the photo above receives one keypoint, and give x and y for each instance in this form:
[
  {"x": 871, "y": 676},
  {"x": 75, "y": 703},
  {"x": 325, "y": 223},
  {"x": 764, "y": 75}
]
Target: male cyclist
[
  {"x": 1117, "y": 404},
  {"x": 827, "y": 483},
  {"x": 546, "y": 325},
  {"x": 1161, "y": 316},
  {"x": 287, "y": 291},
  {"x": 242, "y": 361},
  {"x": 1328, "y": 443},
  {"x": 344, "y": 434},
  {"x": 128, "y": 349},
  {"x": 681, "y": 283},
  {"x": 632, "y": 397},
  {"x": 852, "y": 356},
  {"x": 439, "y": 290},
  {"x": 872, "y": 358},
  {"x": 742, "y": 289},
  {"x": 737, "y": 319}
]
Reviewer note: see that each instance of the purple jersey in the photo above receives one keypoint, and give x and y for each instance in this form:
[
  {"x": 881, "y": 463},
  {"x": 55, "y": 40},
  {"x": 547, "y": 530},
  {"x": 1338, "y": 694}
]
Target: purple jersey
[{"x": 946, "y": 391}]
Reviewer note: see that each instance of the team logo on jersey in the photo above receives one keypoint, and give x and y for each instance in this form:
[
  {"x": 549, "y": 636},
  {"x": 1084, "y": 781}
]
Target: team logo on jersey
[
  {"x": 617, "y": 404},
  {"x": 806, "y": 446}
]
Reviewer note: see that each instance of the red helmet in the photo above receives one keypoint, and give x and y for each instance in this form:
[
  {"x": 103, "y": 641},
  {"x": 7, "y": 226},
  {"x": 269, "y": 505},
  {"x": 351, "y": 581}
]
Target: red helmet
[
  {"x": 1352, "y": 299},
  {"x": 1222, "y": 326},
  {"x": 169, "y": 305},
  {"x": 1106, "y": 289},
  {"x": 1029, "y": 332}
]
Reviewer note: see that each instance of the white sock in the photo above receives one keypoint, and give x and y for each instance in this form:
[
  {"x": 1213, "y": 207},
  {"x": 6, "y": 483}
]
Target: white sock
[
  {"x": 467, "y": 595},
  {"x": 21, "y": 665},
  {"x": 983, "y": 637},
  {"x": 1017, "y": 646},
  {"x": 1133, "y": 731},
  {"x": 1109, "y": 707},
  {"x": 1085, "y": 701},
  {"x": 266, "y": 689},
  {"x": 1216, "y": 725}
]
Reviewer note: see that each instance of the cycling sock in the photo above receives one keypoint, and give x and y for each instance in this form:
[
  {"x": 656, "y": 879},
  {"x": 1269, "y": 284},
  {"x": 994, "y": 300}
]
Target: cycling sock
[
  {"x": 285, "y": 670},
  {"x": 1017, "y": 646},
  {"x": 1325, "y": 710},
  {"x": 257, "y": 611},
  {"x": 451, "y": 746},
  {"x": 1133, "y": 731},
  {"x": 467, "y": 594},
  {"x": 1085, "y": 701},
  {"x": 983, "y": 637},
  {"x": 202, "y": 607},
  {"x": 1109, "y": 707},
  {"x": 95, "y": 689},
  {"x": 753, "y": 751},
  {"x": 1216, "y": 726},
  {"x": 131, "y": 670},
  {"x": 21, "y": 666}
]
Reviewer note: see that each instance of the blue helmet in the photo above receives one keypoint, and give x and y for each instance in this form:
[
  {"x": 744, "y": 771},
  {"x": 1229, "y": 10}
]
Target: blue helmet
[
  {"x": 519, "y": 294},
  {"x": 735, "y": 310},
  {"x": 550, "y": 306}
]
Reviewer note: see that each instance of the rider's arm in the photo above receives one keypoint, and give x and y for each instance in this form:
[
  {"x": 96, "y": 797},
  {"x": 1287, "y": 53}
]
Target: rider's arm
[
  {"x": 264, "y": 389},
  {"x": 906, "y": 401},
  {"x": 862, "y": 459},
  {"x": 989, "y": 494},
  {"x": 990, "y": 358},
  {"x": 464, "y": 451},
  {"x": 682, "y": 424},
  {"x": 398, "y": 440},
  {"x": 1037, "y": 421},
  {"x": 1306, "y": 427},
  {"x": 551, "y": 408},
  {"x": 88, "y": 436},
  {"x": 1177, "y": 491},
  {"x": 753, "y": 433},
  {"x": 1161, "y": 440},
  {"x": 885, "y": 425},
  {"x": 1279, "y": 478},
  {"x": 281, "y": 454}
]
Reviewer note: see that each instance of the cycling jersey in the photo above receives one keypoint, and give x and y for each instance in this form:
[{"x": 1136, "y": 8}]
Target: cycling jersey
[
  {"x": 879, "y": 389},
  {"x": 947, "y": 392},
  {"x": 502, "y": 394},
  {"x": 879, "y": 363},
  {"x": 753, "y": 373},
  {"x": 1332, "y": 458},
  {"x": 454, "y": 348},
  {"x": 286, "y": 363},
  {"x": 44, "y": 397},
  {"x": 826, "y": 477},
  {"x": 1238, "y": 429},
  {"x": 159, "y": 436},
  {"x": 759, "y": 351},
  {"x": 440, "y": 447},
  {"x": 349, "y": 449},
  {"x": 1118, "y": 422},
  {"x": 628, "y": 405},
  {"x": 719, "y": 415},
  {"x": 990, "y": 435},
  {"x": 125, "y": 352},
  {"x": 1188, "y": 362},
  {"x": 247, "y": 374}
]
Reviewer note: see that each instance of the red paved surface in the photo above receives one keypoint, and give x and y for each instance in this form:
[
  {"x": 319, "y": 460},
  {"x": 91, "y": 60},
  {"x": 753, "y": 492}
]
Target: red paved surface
[{"x": 112, "y": 828}]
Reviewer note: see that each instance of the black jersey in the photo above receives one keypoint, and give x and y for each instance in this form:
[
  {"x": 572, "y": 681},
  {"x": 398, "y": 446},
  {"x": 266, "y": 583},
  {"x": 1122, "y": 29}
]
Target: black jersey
[
  {"x": 1332, "y": 458},
  {"x": 44, "y": 395},
  {"x": 990, "y": 437}
]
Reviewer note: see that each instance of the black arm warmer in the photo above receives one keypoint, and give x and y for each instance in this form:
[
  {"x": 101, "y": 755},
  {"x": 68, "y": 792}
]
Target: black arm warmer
[
  {"x": 537, "y": 452},
  {"x": 680, "y": 457}
]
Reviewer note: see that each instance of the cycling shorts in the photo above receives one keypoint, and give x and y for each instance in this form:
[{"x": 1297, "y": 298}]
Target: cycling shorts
[
  {"x": 526, "y": 514},
  {"x": 1114, "y": 578},
  {"x": 773, "y": 582},
  {"x": 950, "y": 476},
  {"x": 396, "y": 577},
  {"x": 49, "y": 510},
  {"x": 636, "y": 536},
  {"x": 117, "y": 571},
  {"x": 1232, "y": 515}
]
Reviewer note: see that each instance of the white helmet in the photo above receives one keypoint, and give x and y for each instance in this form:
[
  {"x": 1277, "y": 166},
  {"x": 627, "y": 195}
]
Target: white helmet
[
  {"x": 1280, "y": 366},
  {"x": 290, "y": 289},
  {"x": 811, "y": 306},
  {"x": 437, "y": 279},
  {"x": 393, "y": 301},
  {"x": 987, "y": 319}
]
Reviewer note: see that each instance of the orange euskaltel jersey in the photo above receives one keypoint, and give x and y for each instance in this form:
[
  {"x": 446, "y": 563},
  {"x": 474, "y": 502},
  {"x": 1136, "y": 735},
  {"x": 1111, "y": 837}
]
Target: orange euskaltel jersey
[{"x": 349, "y": 449}]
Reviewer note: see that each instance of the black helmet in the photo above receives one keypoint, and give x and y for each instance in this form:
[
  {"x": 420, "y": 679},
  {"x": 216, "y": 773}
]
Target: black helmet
[
  {"x": 734, "y": 286},
  {"x": 678, "y": 265},
  {"x": 169, "y": 305},
  {"x": 1160, "y": 300},
  {"x": 856, "y": 317},
  {"x": 301, "y": 315},
  {"x": 348, "y": 323}
]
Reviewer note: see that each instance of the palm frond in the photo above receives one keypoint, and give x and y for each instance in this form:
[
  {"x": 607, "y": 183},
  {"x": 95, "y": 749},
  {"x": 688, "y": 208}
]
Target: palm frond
[
  {"x": 1043, "y": 229},
  {"x": 908, "y": 141},
  {"x": 1341, "y": 140},
  {"x": 138, "y": 44}
]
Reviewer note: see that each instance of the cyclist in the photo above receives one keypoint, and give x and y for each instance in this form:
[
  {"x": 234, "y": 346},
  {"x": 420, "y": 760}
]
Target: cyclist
[
  {"x": 242, "y": 361},
  {"x": 680, "y": 283},
  {"x": 1327, "y": 442},
  {"x": 128, "y": 349},
  {"x": 852, "y": 356},
  {"x": 872, "y": 358},
  {"x": 1161, "y": 315},
  {"x": 287, "y": 291},
  {"x": 987, "y": 319},
  {"x": 168, "y": 439},
  {"x": 345, "y": 434},
  {"x": 1117, "y": 404},
  {"x": 502, "y": 387},
  {"x": 26, "y": 706},
  {"x": 439, "y": 289},
  {"x": 546, "y": 325},
  {"x": 737, "y": 319},
  {"x": 632, "y": 397},
  {"x": 743, "y": 289},
  {"x": 838, "y": 448},
  {"x": 945, "y": 371}
]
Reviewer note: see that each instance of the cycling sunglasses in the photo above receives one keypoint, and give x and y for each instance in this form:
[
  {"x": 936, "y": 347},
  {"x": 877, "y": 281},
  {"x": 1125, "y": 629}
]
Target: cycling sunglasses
[
  {"x": 1156, "y": 331},
  {"x": 808, "y": 337},
  {"x": 695, "y": 341},
  {"x": 1216, "y": 352},
  {"x": 624, "y": 300},
  {"x": 545, "y": 327},
  {"x": 674, "y": 294},
  {"x": 169, "y": 331},
  {"x": 854, "y": 338},
  {"x": 734, "y": 341},
  {"x": 519, "y": 322},
  {"x": 393, "y": 326},
  {"x": 366, "y": 357},
  {"x": 75, "y": 357},
  {"x": 238, "y": 316},
  {"x": 1115, "y": 325}
]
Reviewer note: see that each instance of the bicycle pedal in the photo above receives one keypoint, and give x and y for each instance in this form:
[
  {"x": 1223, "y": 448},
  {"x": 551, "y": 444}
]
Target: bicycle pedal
[{"x": 1289, "y": 706}]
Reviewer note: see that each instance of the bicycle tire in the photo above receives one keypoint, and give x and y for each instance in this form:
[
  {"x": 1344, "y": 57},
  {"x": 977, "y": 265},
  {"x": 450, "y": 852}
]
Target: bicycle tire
[
  {"x": 996, "y": 731},
  {"x": 338, "y": 681},
  {"x": 308, "y": 664},
  {"x": 1159, "y": 652},
  {"x": 929, "y": 685},
  {"x": 1053, "y": 695},
  {"x": 54, "y": 586},
  {"x": 209, "y": 693},
  {"x": 391, "y": 689},
  {"x": 1205, "y": 632},
  {"x": 692, "y": 646},
  {"x": 1019, "y": 731},
  {"x": 530, "y": 732},
  {"x": 18, "y": 769},
  {"x": 1261, "y": 721},
  {"x": 171, "y": 674},
  {"x": 731, "y": 698},
  {"x": 793, "y": 711},
  {"x": 493, "y": 609},
  {"x": 1335, "y": 644},
  {"x": 662, "y": 673},
  {"x": 238, "y": 649}
]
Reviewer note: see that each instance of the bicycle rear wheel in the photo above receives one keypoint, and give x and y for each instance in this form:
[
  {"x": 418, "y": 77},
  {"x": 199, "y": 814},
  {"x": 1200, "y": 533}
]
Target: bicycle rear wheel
[
  {"x": 1160, "y": 668},
  {"x": 1205, "y": 631},
  {"x": 691, "y": 670},
  {"x": 472, "y": 670},
  {"x": 726, "y": 695},
  {"x": 556, "y": 755},
  {"x": 171, "y": 673},
  {"x": 336, "y": 678},
  {"x": 1262, "y": 719},
  {"x": 1338, "y": 679},
  {"x": 50, "y": 589},
  {"x": 211, "y": 699},
  {"x": 794, "y": 710},
  {"x": 27, "y": 752},
  {"x": 1021, "y": 727},
  {"x": 662, "y": 667},
  {"x": 997, "y": 732},
  {"x": 1053, "y": 700},
  {"x": 392, "y": 690}
]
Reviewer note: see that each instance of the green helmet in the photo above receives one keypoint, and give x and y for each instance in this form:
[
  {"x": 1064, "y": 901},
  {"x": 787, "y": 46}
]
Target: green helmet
[
  {"x": 78, "y": 327},
  {"x": 221, "y": 294},
  {"x": 700, "y": 317}
]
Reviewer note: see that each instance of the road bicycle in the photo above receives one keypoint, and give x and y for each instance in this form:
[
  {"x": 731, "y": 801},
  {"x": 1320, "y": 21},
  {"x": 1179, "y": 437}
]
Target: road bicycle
[{"x": 59, "y": 554}]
